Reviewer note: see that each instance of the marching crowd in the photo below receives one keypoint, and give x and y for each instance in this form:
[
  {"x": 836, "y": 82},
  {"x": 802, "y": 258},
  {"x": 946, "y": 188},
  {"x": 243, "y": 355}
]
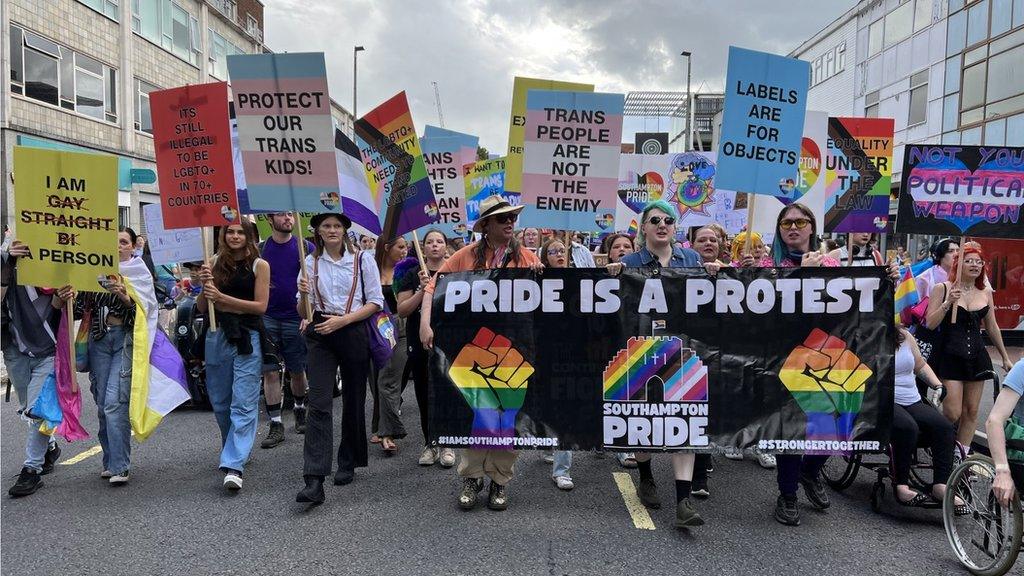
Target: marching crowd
[{"x": 262, "y": 291}]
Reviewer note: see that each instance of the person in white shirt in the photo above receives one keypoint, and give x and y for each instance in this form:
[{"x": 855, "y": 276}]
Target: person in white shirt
[{"x": 858, "y": 251}]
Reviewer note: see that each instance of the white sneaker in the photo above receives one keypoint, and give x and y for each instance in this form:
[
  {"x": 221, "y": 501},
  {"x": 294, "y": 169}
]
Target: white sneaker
[
  {"x": 232, "y": 481},
  {"x": 447, "y": 458},
  {"x": 549, "y": 456},
  {"x": 766, "y": 461},
  {"x": 734, "y": 454},
  {"x": 106, "y": 474},
  {"x": 119, "y": 479},
  {"x": 564, "y": 483},
  {"x": 428, "y": 457}
]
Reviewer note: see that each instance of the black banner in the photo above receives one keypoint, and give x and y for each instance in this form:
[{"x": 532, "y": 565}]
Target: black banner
[{"x": 786, "y": 360}]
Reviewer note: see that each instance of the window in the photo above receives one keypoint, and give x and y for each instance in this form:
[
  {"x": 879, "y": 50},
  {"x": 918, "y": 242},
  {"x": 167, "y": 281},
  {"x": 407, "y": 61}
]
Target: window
[
  {"x": 993, "y": 80},
  {"x": 106, "y": 7},
  {"x": 995, "y": 133},
  {"x": 973, "y": 92},
  {"x": 48, "y": 72},
  {"x": 899, "y": 24},
  {"x": 1002, "y": 16},
  {"x": 871, "y": 104},
  {"x": 828, "y": 64},
  {"x": 918, "y": 98},
  {"x": 220, "y": 48},
  {"x": 875, "y": 38},
  {"x": 922, "y": 14},
  {"x": 977, "y": 23},
  {"x": 971, "y": 137},
  {"x": 1006, "y": 74},
  {"x": 950, "y": 112},
  {"x": 143, "y": 118},
  {"x": 952, "y": 76},
  {"x": 167, "y": 24},
  {"x": 1015, "y": 130},
  {"x": 956, "y": 33},
  {"x": 252, "y": 26}
]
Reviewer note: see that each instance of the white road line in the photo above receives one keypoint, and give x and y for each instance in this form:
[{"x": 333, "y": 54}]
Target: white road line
[{"x": 641, "y": 519}]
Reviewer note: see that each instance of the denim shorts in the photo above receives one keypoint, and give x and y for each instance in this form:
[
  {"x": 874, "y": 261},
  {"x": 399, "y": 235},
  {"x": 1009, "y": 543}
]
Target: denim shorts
[{"x": 290, "y": 344}]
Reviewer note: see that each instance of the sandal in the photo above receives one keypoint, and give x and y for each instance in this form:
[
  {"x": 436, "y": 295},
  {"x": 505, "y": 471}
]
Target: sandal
[
  {"x": 389, "y": 446},
  {"x": 374, "y": 439},
  {"x": 918, "y": 501}
]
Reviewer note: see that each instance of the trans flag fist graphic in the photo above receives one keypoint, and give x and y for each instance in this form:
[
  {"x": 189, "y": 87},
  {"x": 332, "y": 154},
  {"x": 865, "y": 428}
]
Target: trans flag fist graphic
[
  {"x": 492, "y": 377},
  {"x": 827, "y": 381}
]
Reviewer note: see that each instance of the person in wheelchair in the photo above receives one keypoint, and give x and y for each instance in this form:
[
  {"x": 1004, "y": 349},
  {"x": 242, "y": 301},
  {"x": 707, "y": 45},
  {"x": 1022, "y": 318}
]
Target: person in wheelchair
[
  {"x": 1007, "y": 415},
  {"x": 914, "y": 418}
]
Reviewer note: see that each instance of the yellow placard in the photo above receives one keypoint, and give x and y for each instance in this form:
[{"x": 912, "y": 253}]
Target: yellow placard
[
  {"x": 66, "y": 206},
  {"x": 517, "y": 124}
]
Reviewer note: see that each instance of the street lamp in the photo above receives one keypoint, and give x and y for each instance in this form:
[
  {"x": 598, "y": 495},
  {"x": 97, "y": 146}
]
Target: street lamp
[
  {"x": 355, "y": 77},
  {"x": 689, "y": 102}
]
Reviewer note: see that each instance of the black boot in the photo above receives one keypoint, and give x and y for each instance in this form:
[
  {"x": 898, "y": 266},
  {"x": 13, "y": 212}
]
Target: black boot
[{"x": 313, "y": 493}]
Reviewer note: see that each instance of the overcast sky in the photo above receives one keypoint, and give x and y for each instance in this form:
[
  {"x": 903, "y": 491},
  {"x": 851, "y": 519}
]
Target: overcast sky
[{"x": 474, "y": 48}]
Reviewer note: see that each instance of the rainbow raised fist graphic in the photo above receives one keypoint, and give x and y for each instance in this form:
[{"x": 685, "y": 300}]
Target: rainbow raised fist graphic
[
  {"x": 492, "y": 377},
  {"x": 827, "y": 381}
]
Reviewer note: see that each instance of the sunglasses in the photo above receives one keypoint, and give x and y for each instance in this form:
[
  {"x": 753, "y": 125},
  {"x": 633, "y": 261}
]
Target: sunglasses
[
  {"x": 656, "y": 220},
  {"x": 506, "y": 218},
  {"x": 799, "y": 224}
]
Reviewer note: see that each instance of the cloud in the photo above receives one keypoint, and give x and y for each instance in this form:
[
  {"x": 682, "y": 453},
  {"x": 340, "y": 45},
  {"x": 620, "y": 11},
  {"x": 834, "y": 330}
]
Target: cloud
[{"x": 474, "y": 48}]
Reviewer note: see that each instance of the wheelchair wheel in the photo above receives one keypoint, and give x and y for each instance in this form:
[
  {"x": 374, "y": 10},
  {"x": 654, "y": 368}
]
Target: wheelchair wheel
[
  {"x": 921, "y": 471},
  {"x": 839, "y": 472},
  {"x": 987, "y": 539}
]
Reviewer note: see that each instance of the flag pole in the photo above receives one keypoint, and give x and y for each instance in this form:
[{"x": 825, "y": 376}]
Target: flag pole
[
  {"x": 419, "y": 252},
  {"x": 959, "y": 274},
  {"x": 206, "y": 261},
  {"x": 307, "y": 306},
  {"x": 748, "y": 241}
]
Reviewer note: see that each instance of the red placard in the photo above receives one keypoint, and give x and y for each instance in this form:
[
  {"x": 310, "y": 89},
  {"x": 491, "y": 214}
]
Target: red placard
[{"x": 192, "y": 140}]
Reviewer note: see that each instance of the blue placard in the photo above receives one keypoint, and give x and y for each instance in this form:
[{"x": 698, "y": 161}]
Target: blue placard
[{"x": 763, "y": 123}]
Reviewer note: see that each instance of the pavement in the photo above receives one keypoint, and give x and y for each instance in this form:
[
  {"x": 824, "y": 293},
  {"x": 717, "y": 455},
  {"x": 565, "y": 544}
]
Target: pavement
[{"x": 398, "y": 518}]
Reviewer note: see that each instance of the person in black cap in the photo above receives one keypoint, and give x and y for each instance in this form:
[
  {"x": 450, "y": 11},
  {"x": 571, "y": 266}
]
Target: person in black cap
[{"x": 344, "y": 285}]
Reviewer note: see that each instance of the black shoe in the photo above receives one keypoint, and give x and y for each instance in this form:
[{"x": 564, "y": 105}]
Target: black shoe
[
  {"x": 275, "y": 436},
  {"x": 52, "y": 455},
  {"x": 313, "y": 493},
  {"x": 786, "y": 511},
  {"x": 341, "y": 478},
  {"x": 700, "y": 488},
  {"x": 468, "y": 495},
  {"x": 497, "y": 497},
  {"x": 28, "y": 482},
  {"x": 686, "y": 516},
  {"x": 300, "y": 420},
  {"x": 648, "y": 493},
  {"x": 814, "y": 489}
]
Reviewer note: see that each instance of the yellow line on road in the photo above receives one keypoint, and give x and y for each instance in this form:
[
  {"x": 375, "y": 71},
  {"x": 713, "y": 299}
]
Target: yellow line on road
[
  {"x": 82, "y": 455},
  {"x": 641, "y": 519}
]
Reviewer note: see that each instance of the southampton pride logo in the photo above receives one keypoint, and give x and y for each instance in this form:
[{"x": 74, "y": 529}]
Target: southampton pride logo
[{"x": 656, "y": 369}]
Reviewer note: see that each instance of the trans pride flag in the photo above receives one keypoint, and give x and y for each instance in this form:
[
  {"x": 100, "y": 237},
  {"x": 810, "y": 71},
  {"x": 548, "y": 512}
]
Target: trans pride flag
[{"x": 159, "y": 381}]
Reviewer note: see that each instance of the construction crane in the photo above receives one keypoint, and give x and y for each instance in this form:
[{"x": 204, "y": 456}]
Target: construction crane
[{"x": 437, "y": 100}]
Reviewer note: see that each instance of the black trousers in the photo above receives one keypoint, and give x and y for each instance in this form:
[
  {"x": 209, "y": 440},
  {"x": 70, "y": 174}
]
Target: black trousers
[
  {"x": 790, "y": 467},
  {"x": 916, "y": 424},
  {"x": 348, "y": 349}
]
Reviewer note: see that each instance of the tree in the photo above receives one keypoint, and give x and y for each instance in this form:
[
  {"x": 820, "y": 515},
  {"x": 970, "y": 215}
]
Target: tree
[{"x": 482, "y": 153}]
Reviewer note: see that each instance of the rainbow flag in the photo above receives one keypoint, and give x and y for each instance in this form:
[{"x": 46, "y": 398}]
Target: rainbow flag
[
  {"x": 906, "y": 291},
  {"x": 159, "y": 381}
]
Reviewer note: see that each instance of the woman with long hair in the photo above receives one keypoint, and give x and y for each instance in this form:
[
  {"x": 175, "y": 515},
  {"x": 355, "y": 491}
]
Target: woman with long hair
[
  {"x": 238, "y": 285},
  {"x": 617, "y": 246},
  {"x": 344, "y": 293},
  {"x": 387, "y": 382},
  {"x": 554, "y": 254},
  {"x": 960, "y": 359},
  {"x": 409, "y": 281}
]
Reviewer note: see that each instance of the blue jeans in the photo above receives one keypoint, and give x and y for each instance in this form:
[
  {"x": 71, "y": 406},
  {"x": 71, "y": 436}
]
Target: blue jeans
[
  {"x": 27, "y": 374},
  {"x": 563, "y": 460},
  {"x": 233, "y": 384},
  {"x": 110, "y": 373}
]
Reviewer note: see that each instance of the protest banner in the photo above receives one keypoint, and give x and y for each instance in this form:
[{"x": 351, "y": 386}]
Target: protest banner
[
  {"x": 191, "y": 137},
  {"x": 285, "y": 131},
  {"x": 762, "y": 122},
  {"x": 571, "y": 161},
  {"x": 858, "y": 168},
  {"x": 67, "y": 215},
  {"x": 962, "y": 190},
  {"x": 685, "y": 180},
  {"x": 663, "y": 366},
  {"x": 443, "y": 156},
  {"x": 517, "y": 123},
  {"x": 395, "y": 168},
  {"x": 170, "y": 246},
  {"x": 482, "y": 179},
  {"x": 467, "y": 142}
]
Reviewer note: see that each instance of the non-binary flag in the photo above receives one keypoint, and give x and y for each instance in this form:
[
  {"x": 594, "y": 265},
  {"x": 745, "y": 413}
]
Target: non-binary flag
[{"x": 356, "y": 200}]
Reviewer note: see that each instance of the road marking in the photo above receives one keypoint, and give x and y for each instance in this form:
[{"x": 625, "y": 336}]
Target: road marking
[
  {"x": 82, "y": 455},
  {"x": 641, "y": 519}
]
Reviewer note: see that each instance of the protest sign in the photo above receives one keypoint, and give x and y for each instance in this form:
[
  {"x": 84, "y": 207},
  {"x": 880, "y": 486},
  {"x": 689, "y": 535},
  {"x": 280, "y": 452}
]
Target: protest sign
[
  {"x": 858, "y": 168},
  {"x": 809, "y": 187},
  {"x": 663, "y": 366},
  {"x": 482, "y": 179},
  {"x": 67, "y": 215},
  {"x": 571, "y": 162},
  {"x": 962, "y": 190},
  {"x": 467, "y": 142},
  {"x": 517, "y": 123},
  {"x": 285, "y": 131},
  {"x": 395, "y": 169},
  {"x": 170, "y": 246},
  {"x": 762, "y": 122},
  {"x": 443, "y": 156},
  {"x": 192, "y": 140}
]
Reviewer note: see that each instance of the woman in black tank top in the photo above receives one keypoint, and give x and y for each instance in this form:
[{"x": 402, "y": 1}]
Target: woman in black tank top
[{"x": 238, "y": 285}]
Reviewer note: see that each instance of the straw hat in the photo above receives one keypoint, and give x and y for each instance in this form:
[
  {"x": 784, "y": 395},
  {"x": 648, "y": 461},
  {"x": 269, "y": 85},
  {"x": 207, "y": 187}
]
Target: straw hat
[{"x": 492, "y": 206}]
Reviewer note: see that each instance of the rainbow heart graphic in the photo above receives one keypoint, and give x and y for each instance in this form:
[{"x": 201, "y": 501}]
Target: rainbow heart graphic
[
  {"x": 640, "y": 189},
  {"x": 605, "y": 221},
  {"x": 330, "y": 200},
  {"x": 430, "y": 210},
  {"x": 228, "y": 213}
]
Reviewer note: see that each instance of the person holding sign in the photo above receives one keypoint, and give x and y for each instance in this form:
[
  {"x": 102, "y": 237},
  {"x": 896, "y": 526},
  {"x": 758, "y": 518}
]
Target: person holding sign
[
  {"x": 344, "y": 287},
  {"x": 238, "y": 285},
  {"x": 497, "y": 249},
  {"x": 960, "y": 359},
  {"x": 410, "y": 279},
  {"x": 858, "y": 251},
  {"x": 31, "y": 319}
]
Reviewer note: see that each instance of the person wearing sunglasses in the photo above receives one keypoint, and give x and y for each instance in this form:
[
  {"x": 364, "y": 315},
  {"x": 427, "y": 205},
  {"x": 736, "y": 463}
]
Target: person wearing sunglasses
[{"x": 497, "y": 249}]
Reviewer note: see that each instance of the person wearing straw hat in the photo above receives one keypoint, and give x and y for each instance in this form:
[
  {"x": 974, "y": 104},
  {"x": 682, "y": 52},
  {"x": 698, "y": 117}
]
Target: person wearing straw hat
[{"x": 497, "y": 249}]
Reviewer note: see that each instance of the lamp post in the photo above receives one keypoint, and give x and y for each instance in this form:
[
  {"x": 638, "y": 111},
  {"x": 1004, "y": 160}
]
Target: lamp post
[
  {"x": 689, "y": 103},
  {"x": 355, "y": 77}
]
